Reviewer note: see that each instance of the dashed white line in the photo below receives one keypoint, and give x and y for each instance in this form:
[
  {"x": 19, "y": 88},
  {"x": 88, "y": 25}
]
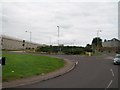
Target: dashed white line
[
  {"x": 76, "y": 63},
  {"x": 109, "y": 84},
  {"x": 111, "y": 80},
  {"x": 73, "y": 66},
  {"x": 112, "y": 72}
]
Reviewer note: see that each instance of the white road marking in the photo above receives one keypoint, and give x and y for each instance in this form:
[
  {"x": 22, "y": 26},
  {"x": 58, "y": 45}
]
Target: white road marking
[
  {"x": 76, "y": 63},
  {"x": 109, "y": 84},
  {"x": 73, "y": 66},
  {"x": 112, "y": 72},
  {"x": 111, "y": 80}
]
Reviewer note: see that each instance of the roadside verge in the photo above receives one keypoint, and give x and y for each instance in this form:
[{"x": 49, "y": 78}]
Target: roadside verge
[{"x": 67, "y": 68}]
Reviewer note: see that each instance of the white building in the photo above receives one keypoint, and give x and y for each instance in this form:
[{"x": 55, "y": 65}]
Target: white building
[
  {"x": 111, "y": 43},
  {"x": 111, "y": 46},
  {"x": 10, "y": 43}
]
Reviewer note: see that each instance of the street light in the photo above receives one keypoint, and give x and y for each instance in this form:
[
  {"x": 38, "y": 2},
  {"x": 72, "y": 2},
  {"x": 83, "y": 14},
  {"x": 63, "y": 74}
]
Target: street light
[
  {"x": 98, "y": 36},
  {"x": 98, "y": 32},
  {"x": 58, "y": 37},
  {"x": 30, "y": 34}
]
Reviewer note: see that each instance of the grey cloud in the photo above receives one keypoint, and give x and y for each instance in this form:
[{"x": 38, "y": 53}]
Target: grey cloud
[{"x": 77, "y": 21}]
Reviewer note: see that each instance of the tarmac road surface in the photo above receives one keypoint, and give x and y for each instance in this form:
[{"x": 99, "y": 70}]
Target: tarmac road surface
[{"x": 90, "y": 72}]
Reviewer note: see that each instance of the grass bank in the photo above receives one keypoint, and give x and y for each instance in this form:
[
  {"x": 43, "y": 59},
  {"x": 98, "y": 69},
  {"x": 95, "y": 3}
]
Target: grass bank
[{"x": 27, "y": 65}]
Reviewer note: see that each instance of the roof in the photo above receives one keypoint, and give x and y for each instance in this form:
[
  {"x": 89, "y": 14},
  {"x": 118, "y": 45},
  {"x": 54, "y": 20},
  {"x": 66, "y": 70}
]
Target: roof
[{"x": 114, "y": 39}]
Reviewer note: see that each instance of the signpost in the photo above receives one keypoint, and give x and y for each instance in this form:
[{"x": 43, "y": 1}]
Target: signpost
[
  {"x": 2, "y": 60},
  {"x": 23, "y": 45}
]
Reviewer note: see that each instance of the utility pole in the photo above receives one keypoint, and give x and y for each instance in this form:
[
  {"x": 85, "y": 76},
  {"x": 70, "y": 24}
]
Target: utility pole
[
  {"x": 58, "y": 38},
  {"x": 98, "y": 36},
  {"x": 30, "y": 35}
]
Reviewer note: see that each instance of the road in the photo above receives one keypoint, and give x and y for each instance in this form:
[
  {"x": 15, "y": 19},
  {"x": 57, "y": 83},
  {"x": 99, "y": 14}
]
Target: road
[{"x": 90, "y": 72}]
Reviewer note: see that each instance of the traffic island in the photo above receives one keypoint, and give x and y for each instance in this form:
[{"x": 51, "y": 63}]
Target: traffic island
[
  {"x": 67, "y": 68},
  {"x": 64, "y": 68}
]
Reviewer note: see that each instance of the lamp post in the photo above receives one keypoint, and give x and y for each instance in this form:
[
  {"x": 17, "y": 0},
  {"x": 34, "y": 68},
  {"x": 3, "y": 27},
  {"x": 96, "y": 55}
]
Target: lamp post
[
  {"x": 98, "y": 36},
  {"x": 58, "y": 38},
  {"x": 98, "y": 32},
  {"x": 58, "y": 34},
  {"x": 30, "y": 34}
]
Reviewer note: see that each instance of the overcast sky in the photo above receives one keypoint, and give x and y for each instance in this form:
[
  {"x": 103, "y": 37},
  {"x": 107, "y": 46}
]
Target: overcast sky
[{"x": 78, "y": 21}]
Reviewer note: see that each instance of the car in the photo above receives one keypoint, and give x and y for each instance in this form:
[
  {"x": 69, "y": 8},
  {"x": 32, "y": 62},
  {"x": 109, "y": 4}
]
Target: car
[{"x": 117, "y": 59}]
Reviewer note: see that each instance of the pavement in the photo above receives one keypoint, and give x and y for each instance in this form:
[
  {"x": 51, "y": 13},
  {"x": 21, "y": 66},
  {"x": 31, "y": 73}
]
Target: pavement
[{"x": 69, "y": 65}]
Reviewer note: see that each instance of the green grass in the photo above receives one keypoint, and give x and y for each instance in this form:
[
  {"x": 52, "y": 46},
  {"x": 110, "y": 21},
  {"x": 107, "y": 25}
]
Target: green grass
[{"x": 27, "y": 65}]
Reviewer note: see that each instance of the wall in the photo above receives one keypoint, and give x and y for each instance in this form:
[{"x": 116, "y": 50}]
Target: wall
[{"x": 9, "y": 43}]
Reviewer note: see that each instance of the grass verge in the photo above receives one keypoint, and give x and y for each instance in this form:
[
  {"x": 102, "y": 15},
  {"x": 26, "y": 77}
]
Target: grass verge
[{"x": 27, "y": 65}]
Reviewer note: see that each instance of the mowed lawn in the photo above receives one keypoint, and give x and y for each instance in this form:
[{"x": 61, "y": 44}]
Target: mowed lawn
[{"x": 27, "y": 65}]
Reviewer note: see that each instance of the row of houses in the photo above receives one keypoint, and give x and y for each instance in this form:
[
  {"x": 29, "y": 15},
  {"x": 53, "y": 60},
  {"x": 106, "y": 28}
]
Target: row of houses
[
  {"x": 110, "y": 46},
  {"x": 10, "y": 43},
  {"x": 111, "y": 43}
]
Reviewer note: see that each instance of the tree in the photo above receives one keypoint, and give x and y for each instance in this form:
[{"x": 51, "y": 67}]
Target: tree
[
  {"x": 64, "y": 49},
  {"x": 96, "y": 43},
  {"x": 88, "y": 48}
]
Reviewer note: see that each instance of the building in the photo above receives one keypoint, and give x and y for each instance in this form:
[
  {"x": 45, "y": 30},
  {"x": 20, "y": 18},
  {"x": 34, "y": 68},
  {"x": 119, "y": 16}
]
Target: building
[
  {"x": 111, "y": 43},
  {"x": 111, "y": 46},
  {"x": 10, "y": 43}
]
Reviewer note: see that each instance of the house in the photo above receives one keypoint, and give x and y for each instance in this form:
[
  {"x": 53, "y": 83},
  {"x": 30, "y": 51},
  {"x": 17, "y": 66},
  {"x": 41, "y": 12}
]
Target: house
[
  {"x": 110, "y": 46},
  {"x": 11, "y": 43}
]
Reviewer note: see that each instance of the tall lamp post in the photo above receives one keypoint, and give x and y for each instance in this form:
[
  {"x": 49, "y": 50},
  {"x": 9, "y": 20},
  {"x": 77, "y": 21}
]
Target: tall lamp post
[
  {"x": 58, "y": 37},
  {"x": 98, "y": 32},
  {"x": 98, "y": 36},
  {"x": 30, "y": 34}
]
